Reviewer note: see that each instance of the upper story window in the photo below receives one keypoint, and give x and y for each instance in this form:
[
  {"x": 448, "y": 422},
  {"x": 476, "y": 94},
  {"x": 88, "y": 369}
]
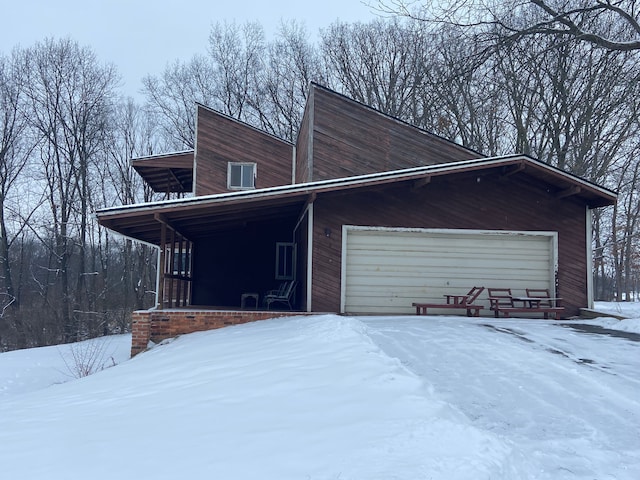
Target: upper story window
[{"x": 241, "y": 175}]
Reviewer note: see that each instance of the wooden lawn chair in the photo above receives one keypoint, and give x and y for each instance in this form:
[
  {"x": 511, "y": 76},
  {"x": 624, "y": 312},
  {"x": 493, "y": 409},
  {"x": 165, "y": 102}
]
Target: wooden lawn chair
[
  {"x": 283, "y": 295},
  {"x": 455, "y": 301}
]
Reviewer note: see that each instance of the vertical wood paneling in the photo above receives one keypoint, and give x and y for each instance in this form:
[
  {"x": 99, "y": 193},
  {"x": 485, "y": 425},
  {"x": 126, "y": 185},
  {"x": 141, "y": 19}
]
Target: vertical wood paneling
[
  {"x": 352, "y": 139},
  {"x": 221, "y": 139},
  {"x": 304, "y": 144}
]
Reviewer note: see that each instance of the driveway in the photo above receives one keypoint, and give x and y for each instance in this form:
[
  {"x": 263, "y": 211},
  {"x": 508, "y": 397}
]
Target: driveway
[{"x": 567, "y": 397}]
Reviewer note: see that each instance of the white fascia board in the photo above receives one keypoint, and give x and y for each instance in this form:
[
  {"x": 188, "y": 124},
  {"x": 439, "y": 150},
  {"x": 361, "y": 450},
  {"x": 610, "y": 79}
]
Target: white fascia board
[
  {"x": 162, "y": 155},
  {"x": 346, "y": 182}
]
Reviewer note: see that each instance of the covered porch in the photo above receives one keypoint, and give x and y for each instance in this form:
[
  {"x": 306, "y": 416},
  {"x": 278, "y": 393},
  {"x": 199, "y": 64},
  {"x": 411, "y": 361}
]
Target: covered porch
[{"x": 224, "y": 252}]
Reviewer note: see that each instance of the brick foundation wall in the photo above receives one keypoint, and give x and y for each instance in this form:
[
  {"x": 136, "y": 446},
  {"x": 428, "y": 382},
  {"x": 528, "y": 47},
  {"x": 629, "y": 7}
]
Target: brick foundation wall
[
  {"x": 140, "y": 331},
  {"x": 158, "y": 325}
]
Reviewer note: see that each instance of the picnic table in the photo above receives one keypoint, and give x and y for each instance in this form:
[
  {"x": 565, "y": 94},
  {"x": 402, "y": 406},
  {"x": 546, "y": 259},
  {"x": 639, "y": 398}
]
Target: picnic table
[{"x": 536, "y": 301}]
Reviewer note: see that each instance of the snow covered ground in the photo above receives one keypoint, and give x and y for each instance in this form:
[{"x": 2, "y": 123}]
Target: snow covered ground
[
  {"x": 630, "y": 310},
  {"x": 332, "y": 397}
]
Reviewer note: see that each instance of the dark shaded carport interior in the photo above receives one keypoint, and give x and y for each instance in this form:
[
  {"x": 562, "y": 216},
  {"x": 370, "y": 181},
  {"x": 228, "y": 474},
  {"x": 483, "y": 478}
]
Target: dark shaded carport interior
[{"x": 234, "y": 242}]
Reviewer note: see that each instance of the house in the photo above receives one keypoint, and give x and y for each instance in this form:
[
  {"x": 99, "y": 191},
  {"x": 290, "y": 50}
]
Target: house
[{"x": 366, "y": 213}]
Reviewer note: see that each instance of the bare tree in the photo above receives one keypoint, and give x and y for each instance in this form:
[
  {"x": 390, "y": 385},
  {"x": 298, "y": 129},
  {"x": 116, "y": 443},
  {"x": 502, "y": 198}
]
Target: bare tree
[
  {"x": 468, "y": 104},
  {"x": 134, "y": 135},
  {"x": 292, "y": 63},
  {"x": 15, "y": 148},
  {"x": 583, "y": 20},
  {"x": 69, "y": 94},
  {"x": 381, "y": 64},
  {"x": 14, "y": 151},
  {"x": 238, "y": 54},
  {"x": 263, "y": 84},
  {"x": 173, "y": 96},
  {"x": 227, "y": 79},
  {"x": 570, "y": 105}
]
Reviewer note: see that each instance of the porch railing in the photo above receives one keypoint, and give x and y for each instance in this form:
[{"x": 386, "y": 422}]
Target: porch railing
[{"x": 175, "y": 277}]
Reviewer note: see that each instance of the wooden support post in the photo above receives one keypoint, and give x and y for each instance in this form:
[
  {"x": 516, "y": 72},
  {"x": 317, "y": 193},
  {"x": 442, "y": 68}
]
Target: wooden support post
[
  {"x": 172, "y": 258},
  {"x": 162, "y": 267},
  {"x": 169, "y": 265},
  {"x": 177, "y": 269},
  {"x": 187, "y": 272}
]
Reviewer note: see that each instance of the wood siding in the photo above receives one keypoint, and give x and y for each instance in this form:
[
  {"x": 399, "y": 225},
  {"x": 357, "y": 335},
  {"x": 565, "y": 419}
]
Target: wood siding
[
  {"x": 455, "y": 202},
  {"x": 304, "y": 144},
  {"x": 221, "y": 139},
  {"x": 350, "y": 139}
]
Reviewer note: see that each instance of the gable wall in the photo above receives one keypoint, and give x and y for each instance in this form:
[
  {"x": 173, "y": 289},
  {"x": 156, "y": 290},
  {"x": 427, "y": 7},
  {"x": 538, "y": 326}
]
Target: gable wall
[
  {"x": 221, "y": 140},
  {"x": 304, "y": 143},
  {"x": 490, "y": 204},
  {"x": 351, "y": 139}
]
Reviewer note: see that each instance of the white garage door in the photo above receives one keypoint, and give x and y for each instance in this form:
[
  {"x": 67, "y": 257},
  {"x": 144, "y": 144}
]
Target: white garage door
[{"x": 385, "y": 270}]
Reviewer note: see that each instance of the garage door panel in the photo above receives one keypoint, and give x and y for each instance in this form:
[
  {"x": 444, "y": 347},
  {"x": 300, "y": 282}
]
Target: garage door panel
[
  {"x": 385, "y": 271},
  {"x": 461, "y": 249},
  {"x": 408, "y": 263}
]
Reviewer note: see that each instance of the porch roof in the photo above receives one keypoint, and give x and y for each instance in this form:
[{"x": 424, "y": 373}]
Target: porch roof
[
  {"x": 170, "y": 173},
  {"x": 199, "y": 216}
]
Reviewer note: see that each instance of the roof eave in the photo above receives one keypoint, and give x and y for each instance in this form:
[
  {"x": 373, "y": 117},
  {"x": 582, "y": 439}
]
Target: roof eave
[{"x": 602, "y": 196}]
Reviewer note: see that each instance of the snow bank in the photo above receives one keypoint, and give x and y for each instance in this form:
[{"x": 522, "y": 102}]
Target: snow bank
[
  {"x": 305, "y": 398},
  {"x": 625, "y": 309},
  {"x": 631, "y": 310},
  {"x": 628, "y": 325},
  {"x": 24, "y": 371}
]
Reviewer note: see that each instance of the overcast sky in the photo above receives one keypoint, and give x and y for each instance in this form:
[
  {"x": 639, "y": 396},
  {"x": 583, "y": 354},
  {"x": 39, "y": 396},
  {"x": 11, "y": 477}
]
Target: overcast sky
[{"x": 141, "y": 36}]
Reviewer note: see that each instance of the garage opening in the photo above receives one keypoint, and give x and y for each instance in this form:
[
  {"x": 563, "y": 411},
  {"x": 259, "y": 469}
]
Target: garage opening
[{"x": 384, "y": 270}]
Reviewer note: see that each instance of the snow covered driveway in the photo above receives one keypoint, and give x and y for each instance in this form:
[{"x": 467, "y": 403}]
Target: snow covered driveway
[{"x": 567, "y": 400}]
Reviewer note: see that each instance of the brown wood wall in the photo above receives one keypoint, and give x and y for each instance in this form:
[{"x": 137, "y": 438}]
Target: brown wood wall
[
  {"x": 456, "y": 201},
  {"x": 304, "y": 144},
  {"x": 338, "y": 137},
  {"x": 352, "y": 139},
  {"x": 221, "y": 139}
]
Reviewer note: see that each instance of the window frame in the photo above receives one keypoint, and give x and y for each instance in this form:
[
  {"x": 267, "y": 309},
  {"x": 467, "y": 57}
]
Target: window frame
[
  {"x": 242, "y": 166},
  {"x": 286, "y": 260}
]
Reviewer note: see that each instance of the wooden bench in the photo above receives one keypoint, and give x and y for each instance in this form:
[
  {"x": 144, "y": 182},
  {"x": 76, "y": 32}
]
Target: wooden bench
[
  {"x": 536, "y": 301},
  {"x": 463, "y": 302}
]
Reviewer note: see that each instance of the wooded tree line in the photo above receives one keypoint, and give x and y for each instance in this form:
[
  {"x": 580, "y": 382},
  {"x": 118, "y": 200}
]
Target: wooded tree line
[{"x": 67, "y": 135}]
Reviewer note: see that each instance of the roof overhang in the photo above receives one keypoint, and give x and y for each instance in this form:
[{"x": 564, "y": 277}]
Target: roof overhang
[
  {"x": 200, "y": 216},
  {"x": 170, "y": 173}
]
